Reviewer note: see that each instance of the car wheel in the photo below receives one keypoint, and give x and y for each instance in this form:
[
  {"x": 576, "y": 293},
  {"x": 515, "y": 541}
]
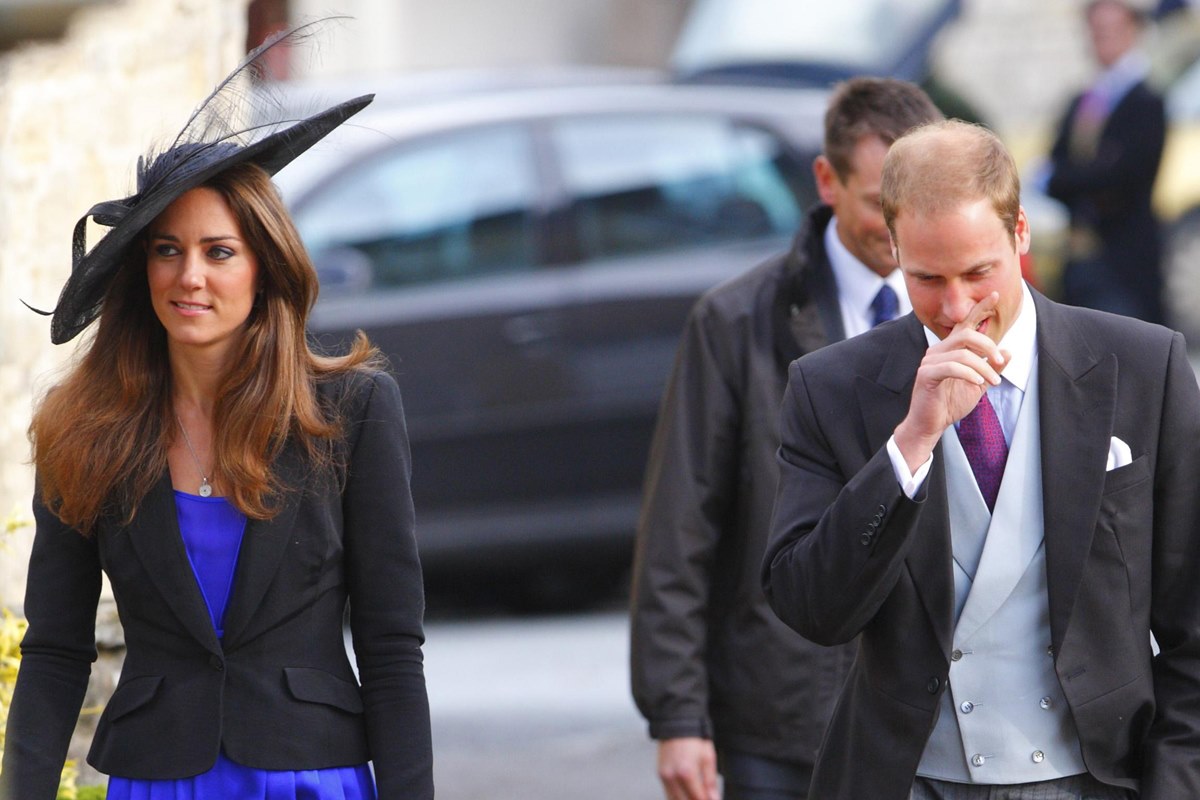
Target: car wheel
[{"x": 1183, "y": 275}]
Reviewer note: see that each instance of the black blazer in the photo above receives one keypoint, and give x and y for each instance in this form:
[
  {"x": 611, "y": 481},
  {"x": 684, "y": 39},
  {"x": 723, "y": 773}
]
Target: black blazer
[
  {"x": 851, "y": 554},
  {"x": 707, "y": 656},
  {"x": 279, "y": 692}
]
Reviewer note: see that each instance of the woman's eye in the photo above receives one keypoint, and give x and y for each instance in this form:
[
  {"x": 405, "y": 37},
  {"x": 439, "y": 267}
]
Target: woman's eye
[
  {"x": 220, "y": 253},
  {"x": 163, "y": 250}
]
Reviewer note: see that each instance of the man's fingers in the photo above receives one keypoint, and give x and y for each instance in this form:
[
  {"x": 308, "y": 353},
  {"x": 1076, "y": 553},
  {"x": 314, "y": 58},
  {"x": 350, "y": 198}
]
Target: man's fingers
[
  {"x": 712, "y": 790},
  {"x": 980, "y": 365},
  {"x": 979, "y": 312},
  {"x": 687, "y": 767},
  {"x": 979, "y": 374}
]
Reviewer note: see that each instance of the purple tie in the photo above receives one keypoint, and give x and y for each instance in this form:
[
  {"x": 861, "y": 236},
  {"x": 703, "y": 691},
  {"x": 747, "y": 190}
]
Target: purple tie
[{"x": 982, "y": 440}]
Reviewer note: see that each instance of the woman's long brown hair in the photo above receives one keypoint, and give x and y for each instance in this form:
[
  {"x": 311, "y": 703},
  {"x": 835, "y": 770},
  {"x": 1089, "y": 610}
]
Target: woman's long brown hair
[{"x": 100, "y": 437}]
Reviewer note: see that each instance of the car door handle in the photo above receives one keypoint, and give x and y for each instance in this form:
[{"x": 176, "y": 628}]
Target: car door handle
[{"x": 525, "y": 330}]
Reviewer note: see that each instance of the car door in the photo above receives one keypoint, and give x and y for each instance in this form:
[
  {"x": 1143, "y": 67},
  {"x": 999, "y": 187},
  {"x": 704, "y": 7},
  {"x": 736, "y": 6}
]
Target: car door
[
  {"x": 433, "y": 248},
  {"x": 664, "y": 206}
]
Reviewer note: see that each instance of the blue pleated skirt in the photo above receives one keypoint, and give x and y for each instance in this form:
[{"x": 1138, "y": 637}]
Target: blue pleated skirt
[{"x": 231, "y": 781}]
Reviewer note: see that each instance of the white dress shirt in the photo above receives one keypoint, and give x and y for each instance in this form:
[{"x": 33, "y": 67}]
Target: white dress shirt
[
  {"x": 857, "y": 285},
  {"x": 1020, "y": 341}
]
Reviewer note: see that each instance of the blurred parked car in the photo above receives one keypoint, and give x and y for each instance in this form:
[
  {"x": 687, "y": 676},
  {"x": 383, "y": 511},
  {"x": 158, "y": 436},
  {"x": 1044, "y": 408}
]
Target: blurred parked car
[
  {"x": 785, "y": 43},
  {"x": 526, "y": 257}
]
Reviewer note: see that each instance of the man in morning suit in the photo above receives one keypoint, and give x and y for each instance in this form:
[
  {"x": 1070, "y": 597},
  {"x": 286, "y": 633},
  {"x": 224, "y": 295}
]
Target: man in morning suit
[
  {"x": 1103, "y": 165},
  {"x": 714, "y": 671},
  {"x": 997, "y": 495}
]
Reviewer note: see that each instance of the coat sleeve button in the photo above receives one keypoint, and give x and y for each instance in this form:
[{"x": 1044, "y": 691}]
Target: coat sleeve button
[{"x": 865, "y": 539}]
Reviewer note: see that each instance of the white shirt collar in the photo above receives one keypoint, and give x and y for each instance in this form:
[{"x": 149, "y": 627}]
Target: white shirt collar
[
  {"x": 1020, "y": 341},
  {"x": 1125, "y": 73},
  {"x": 857, "y": 284}
]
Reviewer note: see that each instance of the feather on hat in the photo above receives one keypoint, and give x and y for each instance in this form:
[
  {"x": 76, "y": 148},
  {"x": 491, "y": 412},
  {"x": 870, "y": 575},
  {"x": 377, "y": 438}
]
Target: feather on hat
[{"x": 240, "y": 121}]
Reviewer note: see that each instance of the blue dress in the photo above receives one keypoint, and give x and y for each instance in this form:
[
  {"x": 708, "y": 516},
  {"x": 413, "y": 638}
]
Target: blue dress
[{"x": 212, "y": 534}]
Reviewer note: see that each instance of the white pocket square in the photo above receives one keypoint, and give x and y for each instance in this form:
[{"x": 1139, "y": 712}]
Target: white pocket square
[{"x": 1119, "y": 454}]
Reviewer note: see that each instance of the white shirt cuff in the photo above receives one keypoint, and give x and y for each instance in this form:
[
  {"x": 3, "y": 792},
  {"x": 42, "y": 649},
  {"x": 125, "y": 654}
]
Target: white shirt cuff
[{"x": 910, "y": 482}]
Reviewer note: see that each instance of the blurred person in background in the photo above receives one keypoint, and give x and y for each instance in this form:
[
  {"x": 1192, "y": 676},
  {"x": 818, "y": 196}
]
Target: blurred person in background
[
  {"x": 722, "y": 683},
  {"x": 237, "y": 489},
  {"x": 1102, "y": 167}
]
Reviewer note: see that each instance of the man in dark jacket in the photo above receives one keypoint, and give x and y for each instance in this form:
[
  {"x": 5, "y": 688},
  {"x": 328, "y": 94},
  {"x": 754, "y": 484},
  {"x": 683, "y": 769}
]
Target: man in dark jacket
[
  {"x": 1103, "y": 166},
  {"x": 715, "y": 673}
]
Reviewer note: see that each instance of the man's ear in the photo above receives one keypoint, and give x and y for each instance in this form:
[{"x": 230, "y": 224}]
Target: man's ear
[
  {"x": 827, "y": 179},
  {"x": 1021, "y": 232}
]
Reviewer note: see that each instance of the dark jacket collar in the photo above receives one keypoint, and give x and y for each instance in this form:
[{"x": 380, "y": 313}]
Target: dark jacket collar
[{"x": 806, "y": 314}]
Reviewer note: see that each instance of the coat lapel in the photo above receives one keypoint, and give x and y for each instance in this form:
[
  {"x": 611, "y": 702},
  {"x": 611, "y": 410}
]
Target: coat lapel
[
  {"x": 884, "y": 403},
  {"x": 263, "y": 546},
  {"x": 1078, "y": 398},
  {"x": 154, "y": 534}
]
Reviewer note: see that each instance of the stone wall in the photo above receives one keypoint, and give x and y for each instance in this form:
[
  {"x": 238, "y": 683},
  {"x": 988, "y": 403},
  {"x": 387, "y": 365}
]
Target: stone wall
[
  {"x": 74, "y": 115},
  {"x": 1019, "y": 61}
]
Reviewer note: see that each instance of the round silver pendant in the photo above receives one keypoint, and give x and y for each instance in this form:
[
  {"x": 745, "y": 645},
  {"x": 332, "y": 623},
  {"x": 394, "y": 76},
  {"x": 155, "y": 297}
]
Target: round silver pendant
[{"x": 205, "y": 489}]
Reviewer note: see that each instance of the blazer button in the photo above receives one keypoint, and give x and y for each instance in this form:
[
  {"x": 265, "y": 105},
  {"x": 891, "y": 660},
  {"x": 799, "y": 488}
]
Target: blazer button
[
  {"x": 933, "y": 685},
  {"x": 216, "y": 663}
]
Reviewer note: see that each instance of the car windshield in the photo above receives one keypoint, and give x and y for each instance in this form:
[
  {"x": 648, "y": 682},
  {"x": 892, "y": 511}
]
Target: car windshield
[{"x": 859, "y": 35}]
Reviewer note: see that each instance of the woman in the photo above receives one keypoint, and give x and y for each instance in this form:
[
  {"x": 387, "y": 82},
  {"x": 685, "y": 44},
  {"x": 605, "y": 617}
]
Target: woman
[{"x": 238, "y": 490}]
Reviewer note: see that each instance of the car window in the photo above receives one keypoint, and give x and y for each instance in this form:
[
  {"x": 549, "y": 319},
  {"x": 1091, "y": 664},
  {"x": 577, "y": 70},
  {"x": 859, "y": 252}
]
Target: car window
[
  {"x": 450, "y": 208},
  {"x": 641, "y": 184}
]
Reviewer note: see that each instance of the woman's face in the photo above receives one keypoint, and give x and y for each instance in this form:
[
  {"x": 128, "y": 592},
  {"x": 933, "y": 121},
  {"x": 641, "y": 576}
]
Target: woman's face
[{"x": 202, "y": 274}]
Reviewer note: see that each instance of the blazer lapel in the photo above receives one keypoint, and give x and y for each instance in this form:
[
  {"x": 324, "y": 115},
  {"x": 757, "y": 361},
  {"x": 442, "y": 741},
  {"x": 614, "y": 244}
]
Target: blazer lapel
[
  {"x": 884, "y": 403},
  {"x": 154, "y": 534},
  {"x": 263, "y": 546},
  {"x": 1077, "y": 401}
]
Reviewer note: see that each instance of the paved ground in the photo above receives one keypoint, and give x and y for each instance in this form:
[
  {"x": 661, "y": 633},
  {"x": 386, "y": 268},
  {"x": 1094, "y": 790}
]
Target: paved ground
[{"x": 536, "y": 709}]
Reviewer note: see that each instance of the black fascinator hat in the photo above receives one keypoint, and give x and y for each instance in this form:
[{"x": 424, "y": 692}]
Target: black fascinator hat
[{"x": 240, "y": 121}]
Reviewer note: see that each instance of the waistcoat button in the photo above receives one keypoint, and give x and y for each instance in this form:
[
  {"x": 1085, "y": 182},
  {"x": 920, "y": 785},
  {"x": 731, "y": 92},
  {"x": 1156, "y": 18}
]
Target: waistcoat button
[
  {"x": 956, "y": 655},
  {"x": 1046, "y": 702},
  {"x": 978, "y": 760},
  {"x": 967, "y": 707},
  {"x": 1038, "y": 756}
]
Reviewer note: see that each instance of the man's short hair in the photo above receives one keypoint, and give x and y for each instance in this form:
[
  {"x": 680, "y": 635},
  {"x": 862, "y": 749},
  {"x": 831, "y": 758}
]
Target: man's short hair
[
  {"x": 937, "y": 167},
  {"x": 883, "y": 107}
]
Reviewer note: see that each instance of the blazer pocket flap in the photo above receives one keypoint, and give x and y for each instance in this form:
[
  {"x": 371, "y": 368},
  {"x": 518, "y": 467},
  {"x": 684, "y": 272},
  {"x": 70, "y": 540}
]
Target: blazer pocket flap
[
  {"x": 1131, "y": 474},
  {"x": 132, "y": 694},
  {"x": 318, "y": 686}
]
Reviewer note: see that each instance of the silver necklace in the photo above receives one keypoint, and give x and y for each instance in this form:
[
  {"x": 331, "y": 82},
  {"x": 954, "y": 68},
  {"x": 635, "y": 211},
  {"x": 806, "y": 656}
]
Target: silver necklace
[{"x": 205, "y": 486}]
